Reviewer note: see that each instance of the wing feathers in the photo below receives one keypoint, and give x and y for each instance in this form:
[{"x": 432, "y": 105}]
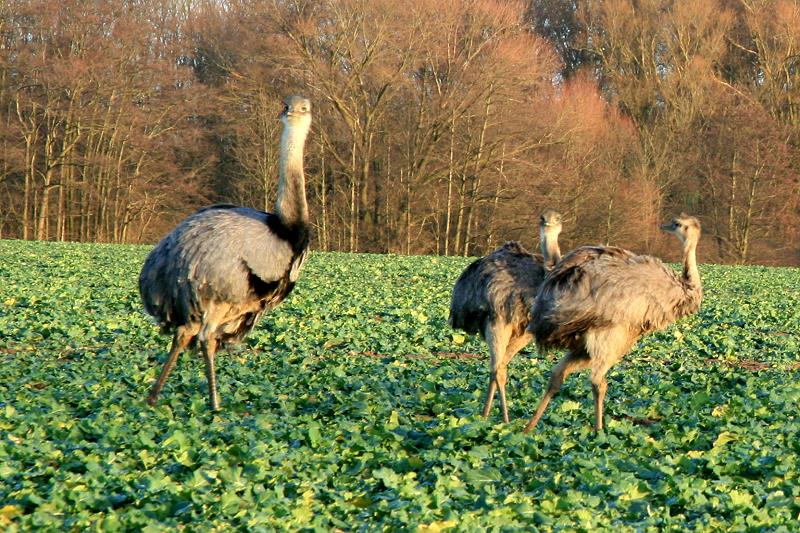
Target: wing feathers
[
  {"x": 595, "y": 287},
  {"x": 499, "y": 286},
  {"x": 218, "y": 253}
]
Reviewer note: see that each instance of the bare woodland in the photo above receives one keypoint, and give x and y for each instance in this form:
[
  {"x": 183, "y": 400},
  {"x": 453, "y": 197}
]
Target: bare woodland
[{"x": 441, "y": 126}]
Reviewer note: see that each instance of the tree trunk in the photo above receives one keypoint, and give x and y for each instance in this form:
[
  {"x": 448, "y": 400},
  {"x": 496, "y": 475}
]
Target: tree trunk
[
  {"x": 748, "y": 221},
  {"x": 450, "y": 173},
  {"x": 471, "y": 215},
  {"x": 732, "y": 207},
  {"x": 493, "y": 214},
  {"x": 476, "y": 180},
  {"x": 323, "y": 201},
  {"x": 353, "y": 199}
]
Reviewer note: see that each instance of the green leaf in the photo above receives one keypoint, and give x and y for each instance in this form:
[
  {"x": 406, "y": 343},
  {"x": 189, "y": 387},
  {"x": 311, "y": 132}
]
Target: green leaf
[
  {"x": 635, "y": 492},
  {"x": 313, "y": 434},
  {"x": 393, "y": 421},
  {"x": 723, "y": 438},
  {"x": 570, "y": 405},
  {"x": 741, "y": 498},
  {"x": 389, "y": 477},
  {"x": 482, "y": 475}
]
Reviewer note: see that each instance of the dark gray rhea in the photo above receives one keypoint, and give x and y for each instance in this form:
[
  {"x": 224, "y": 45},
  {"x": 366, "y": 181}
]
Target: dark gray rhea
[
  {"x": 209, "y": 281},
  {"x": 494, "y": 296},
  {"x": 599, "y": 300}
]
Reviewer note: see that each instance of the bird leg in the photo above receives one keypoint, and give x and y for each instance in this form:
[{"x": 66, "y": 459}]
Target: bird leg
[
  {"x": 497, "y": 336},
  {"x": 501, "y": 377},
  {"x": 209, "y": 351},
  {"x": 599, "y": 387},
  {"x": 514, "y": 346},
  {"x": 491, "y": 389},
  {"x": 608, "y": 346},
  {"x": 568, "y": 364},
  {"x": 180, "y": 341}
]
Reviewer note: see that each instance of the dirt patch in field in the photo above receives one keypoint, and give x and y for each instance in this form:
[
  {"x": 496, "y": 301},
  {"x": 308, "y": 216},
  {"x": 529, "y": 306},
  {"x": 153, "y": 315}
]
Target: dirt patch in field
[
  {"x": 11, "y": 351},
  {"x": 641, "y": 421},
  {"x": 443, "y": 355},
  {"x": 744, "y": 364},
  {"x": 455, "y": 355}
]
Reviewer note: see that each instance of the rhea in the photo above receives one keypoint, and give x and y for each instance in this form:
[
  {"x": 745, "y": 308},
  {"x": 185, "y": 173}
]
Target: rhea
[
  {"x": 209, "y": 280},
  {"x": 599, "y": 300},
  {"x": 494, "y": 296}
]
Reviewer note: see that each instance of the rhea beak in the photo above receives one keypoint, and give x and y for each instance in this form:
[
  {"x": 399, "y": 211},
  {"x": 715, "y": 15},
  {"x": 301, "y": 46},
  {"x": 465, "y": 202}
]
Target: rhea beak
[{"x": 668, "y": 227}]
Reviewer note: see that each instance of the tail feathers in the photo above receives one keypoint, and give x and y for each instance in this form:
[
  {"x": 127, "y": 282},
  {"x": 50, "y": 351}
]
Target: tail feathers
[
  {"x": 216, "y": 206},
  {"x": 167, "y": 300},
  {"x": 468, "y": 322},
  {"x": 550, "y": 332},
  {"x": 513, "y": 247},
  {"x": 558, "y": 323}
]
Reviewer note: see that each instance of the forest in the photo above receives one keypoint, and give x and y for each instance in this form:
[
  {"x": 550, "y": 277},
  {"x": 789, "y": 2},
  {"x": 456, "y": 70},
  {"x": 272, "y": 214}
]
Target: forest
[{"x": 440, "y": 126}]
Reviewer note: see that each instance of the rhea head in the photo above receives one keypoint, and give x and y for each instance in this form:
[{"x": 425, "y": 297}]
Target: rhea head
[
  {"x": 550, "y": 223},
  {"x": 296, "y": 112},
  {"x": 685, "y": 227}
]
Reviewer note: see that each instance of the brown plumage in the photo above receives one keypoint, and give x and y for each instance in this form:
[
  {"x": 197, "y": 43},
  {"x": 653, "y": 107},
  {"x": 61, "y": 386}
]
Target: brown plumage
[
  {"x": 494, "y": 296},
  {"x": 599, "y": 300}
]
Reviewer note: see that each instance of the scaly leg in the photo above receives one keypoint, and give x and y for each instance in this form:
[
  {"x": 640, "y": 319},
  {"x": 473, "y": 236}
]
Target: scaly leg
[
  {"x": 599, "y": 386},
  {"x": 497, "y": 335},
  {"x": 514, "y": 346},
  {"x": 209, "y": 351},
  {"x": 180, "y": 341},
  {"x": 608, "y": 347},
  {"x": 568, "y": 364}
]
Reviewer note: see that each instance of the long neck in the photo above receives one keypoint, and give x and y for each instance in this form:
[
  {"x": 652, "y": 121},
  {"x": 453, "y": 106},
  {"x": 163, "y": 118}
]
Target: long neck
[
  {"x": 550, "y": 250},
  {"x": 690, "y": 273},
  {"x": 290, "y": 205}
]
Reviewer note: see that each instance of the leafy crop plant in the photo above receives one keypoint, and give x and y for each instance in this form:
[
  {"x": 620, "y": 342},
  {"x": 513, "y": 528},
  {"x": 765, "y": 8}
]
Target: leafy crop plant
[{"x": 368, "y": 419}]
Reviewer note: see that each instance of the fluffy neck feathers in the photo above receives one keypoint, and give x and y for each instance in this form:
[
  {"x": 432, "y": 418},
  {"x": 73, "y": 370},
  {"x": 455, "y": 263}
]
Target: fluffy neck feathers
[
  {"x": 691, "y": 274},
  {"x": 290, "y": 204},
  {"x": 691, "y": 279},
  {"x": 550, "y": 250}
]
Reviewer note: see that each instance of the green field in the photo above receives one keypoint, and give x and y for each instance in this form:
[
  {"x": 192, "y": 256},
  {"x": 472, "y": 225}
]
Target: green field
[{"x": 355, "y": 407}]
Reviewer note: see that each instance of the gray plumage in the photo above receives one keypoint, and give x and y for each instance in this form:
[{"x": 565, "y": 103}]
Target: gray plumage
[
  {"x": 494, "y": 296},
  {"x": 220, "y": 253},
  {"x": 599, "y": 300},
  {"x": 211, "y": 278}
]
